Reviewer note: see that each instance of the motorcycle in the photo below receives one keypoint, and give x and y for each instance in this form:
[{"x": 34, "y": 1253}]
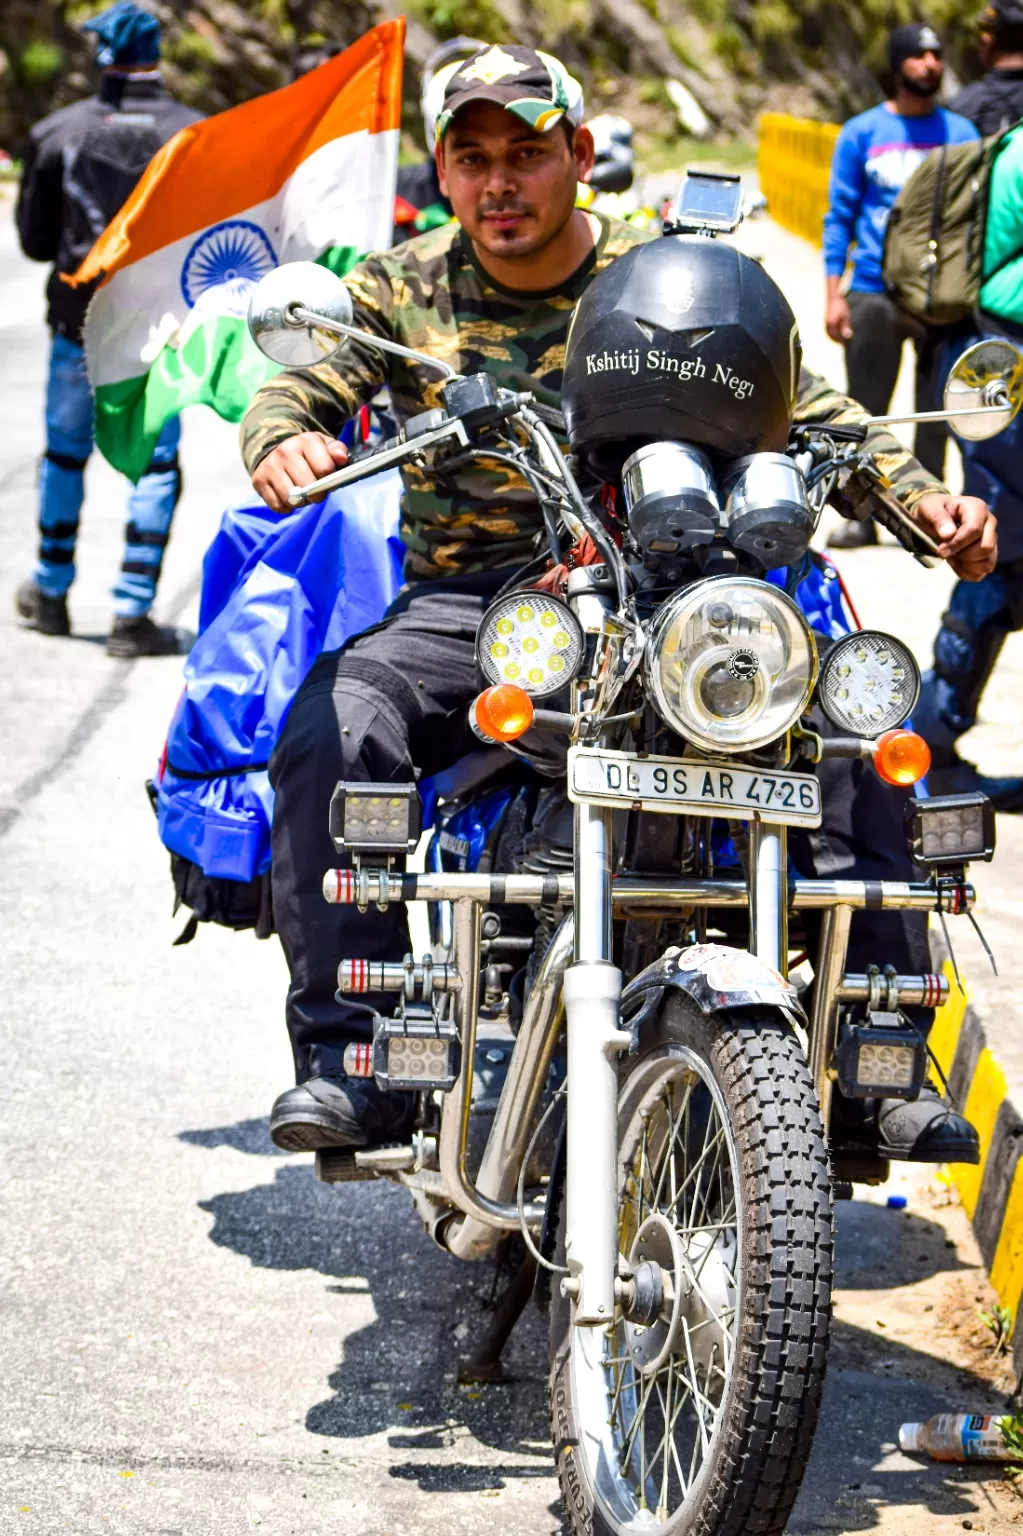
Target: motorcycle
[{"x": 614, "y": 1053}]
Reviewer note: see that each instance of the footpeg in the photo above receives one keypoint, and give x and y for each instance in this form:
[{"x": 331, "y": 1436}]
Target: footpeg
[{"x": 337, "y": 1165}]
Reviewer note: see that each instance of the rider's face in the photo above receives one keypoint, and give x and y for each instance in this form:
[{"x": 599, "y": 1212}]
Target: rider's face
[{"x": 512, "y": 189}]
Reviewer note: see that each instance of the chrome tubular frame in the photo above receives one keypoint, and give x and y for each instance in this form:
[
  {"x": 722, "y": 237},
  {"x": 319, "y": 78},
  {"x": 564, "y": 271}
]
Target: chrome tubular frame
[
  {"x": 629, "y": 893},
  {"x": 474, "y": 1235},
  {"x": 487, "y": 1208},
  {"x": 830, "y": 970}
]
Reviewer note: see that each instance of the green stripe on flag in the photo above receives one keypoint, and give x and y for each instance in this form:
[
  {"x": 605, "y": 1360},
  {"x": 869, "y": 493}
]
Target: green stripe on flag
[{"x": 219, "y": 366}]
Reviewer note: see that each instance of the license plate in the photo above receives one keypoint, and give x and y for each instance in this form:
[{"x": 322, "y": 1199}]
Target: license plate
[{"x": 696, "y": 788}]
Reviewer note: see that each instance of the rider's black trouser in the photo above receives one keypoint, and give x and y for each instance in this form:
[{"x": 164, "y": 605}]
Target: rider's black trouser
[
  {"x": 398, "y": 696},
  {"x": 395, "y": 697}
]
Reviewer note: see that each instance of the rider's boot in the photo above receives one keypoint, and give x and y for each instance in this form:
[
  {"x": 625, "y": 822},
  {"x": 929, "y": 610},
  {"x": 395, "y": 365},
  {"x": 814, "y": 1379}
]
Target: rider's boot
[
  {"x": 925, "y": 1130},
  {"x": 339, "y": 1111}
]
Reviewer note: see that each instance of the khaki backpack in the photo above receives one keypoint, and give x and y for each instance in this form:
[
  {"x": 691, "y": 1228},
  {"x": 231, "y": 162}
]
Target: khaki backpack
[{"x": 934, "y": 240}]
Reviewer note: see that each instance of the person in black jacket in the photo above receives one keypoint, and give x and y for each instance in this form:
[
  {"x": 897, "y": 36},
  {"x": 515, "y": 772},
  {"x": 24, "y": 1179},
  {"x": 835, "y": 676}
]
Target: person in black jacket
[
  {"x": 996, "y": 101},
  {"x": 80, "y": 165}
]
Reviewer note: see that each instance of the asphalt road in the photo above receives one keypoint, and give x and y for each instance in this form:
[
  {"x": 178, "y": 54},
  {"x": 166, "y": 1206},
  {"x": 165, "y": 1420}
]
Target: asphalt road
[{"x": 195, "y": 1338}]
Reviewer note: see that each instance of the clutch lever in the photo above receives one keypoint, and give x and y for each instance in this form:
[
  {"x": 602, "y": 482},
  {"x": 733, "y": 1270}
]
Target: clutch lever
[{"x": 395, "y": 451}]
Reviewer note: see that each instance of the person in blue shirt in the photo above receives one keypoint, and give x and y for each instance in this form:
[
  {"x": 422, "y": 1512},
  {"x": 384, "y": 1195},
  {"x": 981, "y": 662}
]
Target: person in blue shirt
[{"x": 874, "y": 157}]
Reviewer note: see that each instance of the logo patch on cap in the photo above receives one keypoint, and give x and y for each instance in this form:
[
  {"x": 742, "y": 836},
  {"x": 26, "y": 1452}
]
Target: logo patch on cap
[
  {"x": 492, "y": 66},
  {"x": 929, "y": 40}
]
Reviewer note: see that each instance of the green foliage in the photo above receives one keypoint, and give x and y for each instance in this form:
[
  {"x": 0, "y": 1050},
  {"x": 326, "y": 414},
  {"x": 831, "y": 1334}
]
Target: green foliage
[
  {"x": 680, "y": 48},
  {"x": 1012, "y": 1433},
  {"x": 475, "y": 18},
  {"x": 190, "y": 51},
  {"x": 41, "y": 60},
  {"x": 774, "y": 22},
  {"x": 999, "y": 1321},
  {"x": 732, "y": 47},
  {"x": 276, "y": 13}
]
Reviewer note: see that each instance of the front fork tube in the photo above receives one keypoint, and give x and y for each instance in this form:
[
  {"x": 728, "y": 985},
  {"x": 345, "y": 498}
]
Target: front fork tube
[
  {"x": 769, "y": 894},
  {"x": 593, "y": 989}
]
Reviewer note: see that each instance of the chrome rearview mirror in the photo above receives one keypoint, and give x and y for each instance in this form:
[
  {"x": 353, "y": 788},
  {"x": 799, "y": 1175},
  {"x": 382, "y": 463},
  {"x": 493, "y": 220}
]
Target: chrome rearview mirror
[
  {"x": 299, "y": 288},
  {"x": 985, "y": 389},
  {"x": 300, "y": 313}
]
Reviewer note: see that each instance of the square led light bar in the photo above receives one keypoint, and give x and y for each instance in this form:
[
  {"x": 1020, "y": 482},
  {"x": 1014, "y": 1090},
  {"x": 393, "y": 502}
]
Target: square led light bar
[
  {"x": 888, "y": 1061},
  {"x": 950, "y": 829},
  {"x": 376, "y": 818},
  {"x": 416, "y": 1051}
]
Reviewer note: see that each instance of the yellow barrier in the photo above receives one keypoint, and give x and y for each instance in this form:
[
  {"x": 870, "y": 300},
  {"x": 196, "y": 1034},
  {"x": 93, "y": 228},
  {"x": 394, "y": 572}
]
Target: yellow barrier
[{"x": 793, "y": 161}]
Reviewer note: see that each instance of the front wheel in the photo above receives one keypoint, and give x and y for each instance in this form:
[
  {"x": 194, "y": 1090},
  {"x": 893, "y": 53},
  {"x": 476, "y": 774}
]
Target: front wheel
[{"x": 696, "y": 1413}]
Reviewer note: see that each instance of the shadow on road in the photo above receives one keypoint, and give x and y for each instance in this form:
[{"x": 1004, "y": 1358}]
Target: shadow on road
[
  {"x": 252, "y": 1136},
  {"x": 397, "y": 1375},
  {"x": 429, "y": 1309}
]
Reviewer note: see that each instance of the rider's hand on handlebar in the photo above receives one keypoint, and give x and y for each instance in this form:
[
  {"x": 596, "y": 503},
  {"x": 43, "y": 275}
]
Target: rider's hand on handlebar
[
  {"x": 296, "y": 462},
  {"x": 966, "y": 531}
]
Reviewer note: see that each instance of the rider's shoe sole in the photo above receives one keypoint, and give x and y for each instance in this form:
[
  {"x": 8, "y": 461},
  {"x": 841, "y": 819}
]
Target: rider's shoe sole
[{"x": 305, "y": 1135}]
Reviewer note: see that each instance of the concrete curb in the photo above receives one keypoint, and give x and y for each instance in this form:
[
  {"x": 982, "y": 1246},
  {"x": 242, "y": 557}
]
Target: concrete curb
[{"x": 992, "y": 1192}]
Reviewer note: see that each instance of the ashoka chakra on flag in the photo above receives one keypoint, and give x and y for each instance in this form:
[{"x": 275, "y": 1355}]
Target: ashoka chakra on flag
[{"x": 235, "y": 251}]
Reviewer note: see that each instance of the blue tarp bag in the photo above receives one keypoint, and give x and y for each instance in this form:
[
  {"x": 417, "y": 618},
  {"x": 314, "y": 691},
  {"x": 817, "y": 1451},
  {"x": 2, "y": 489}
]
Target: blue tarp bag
[{"x": 275, "y": 593}]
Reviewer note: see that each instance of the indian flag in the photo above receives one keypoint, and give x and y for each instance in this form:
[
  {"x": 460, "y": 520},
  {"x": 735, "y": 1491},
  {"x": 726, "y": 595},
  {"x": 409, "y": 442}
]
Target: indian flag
[{"x": 305, "y": 173}]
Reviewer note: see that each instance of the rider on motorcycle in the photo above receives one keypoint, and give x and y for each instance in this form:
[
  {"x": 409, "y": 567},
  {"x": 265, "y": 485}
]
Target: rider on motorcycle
[{"x": 495, "y": 291}]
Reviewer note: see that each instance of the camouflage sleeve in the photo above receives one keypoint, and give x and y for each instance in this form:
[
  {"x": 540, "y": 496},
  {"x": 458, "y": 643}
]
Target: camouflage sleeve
[
  {"x": 324, "y": 397},
  {"x": 819, "y": 402}
]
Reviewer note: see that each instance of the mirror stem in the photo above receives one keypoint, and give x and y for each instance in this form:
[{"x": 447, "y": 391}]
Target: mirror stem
[
  {"x": 974, "y": 410},
  {"x": 298, "y": 315}
]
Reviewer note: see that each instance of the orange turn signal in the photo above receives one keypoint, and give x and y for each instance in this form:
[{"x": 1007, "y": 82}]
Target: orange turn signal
[
  {"x": 502, "y": 713},
  {"x": 902, "y": 757}
]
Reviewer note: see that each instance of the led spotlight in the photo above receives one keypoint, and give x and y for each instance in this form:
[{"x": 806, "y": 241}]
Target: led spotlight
[
  {"x": 880, "y": 1061},
  {"x": 869, "y": 683},
  {"x": 530, "y": 639},
  {"x": 951, "y": 829},
  {"x": 375, "y": 818},
  {"x": 416, "y": 1051}
]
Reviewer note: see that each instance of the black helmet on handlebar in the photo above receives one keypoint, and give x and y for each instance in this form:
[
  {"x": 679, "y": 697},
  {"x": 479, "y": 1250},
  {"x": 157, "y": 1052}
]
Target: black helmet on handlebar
[{"x": 686, "y": 339}]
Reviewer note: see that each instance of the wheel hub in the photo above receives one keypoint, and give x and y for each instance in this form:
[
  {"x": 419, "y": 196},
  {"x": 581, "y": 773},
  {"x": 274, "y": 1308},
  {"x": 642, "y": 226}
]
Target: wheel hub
[
  {"x": 661, "y": 1286},
  {"x": 681, "y": 1294}
]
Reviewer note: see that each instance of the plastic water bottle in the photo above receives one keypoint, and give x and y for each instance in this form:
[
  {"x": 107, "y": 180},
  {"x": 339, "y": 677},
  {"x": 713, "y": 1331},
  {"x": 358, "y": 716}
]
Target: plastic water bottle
[{"x": 958, "y": 1437}]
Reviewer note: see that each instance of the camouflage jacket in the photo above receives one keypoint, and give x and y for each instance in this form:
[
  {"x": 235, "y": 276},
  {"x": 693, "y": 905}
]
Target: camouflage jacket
[{"x": 432, "y": 295}]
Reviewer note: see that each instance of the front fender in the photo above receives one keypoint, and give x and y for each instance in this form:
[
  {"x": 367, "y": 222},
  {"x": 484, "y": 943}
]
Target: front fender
[{"x": 716, "y": 977}]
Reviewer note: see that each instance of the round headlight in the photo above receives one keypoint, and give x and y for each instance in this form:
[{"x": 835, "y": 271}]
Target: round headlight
[
  {"x": 731, "y": 663},
  {"x": 531, "y": 639},
  {"x": 869, "y": 683}
]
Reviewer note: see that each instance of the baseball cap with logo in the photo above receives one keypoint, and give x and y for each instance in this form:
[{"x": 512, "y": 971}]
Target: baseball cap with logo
[
  {"x": 535, "y": 86},
  {"x": 910, "y": 41}
]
